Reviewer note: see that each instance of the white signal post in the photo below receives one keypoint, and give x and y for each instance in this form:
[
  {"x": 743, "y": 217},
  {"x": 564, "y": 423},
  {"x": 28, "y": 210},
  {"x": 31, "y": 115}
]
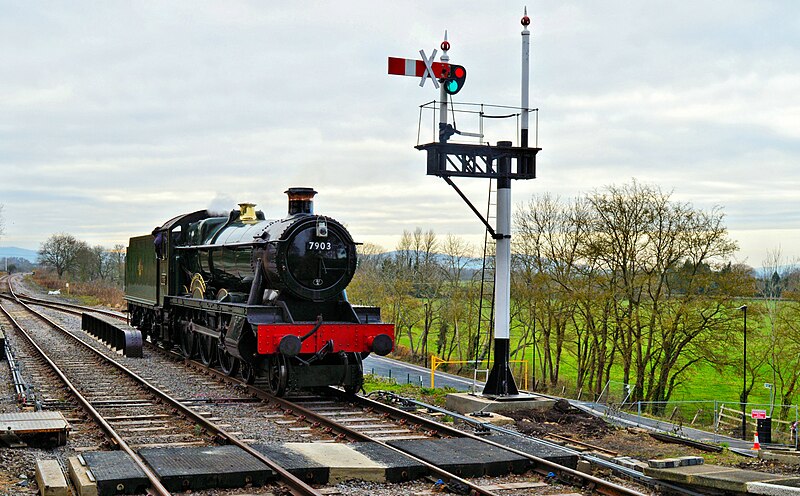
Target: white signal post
[
  {"x": 526, "y": 69},
  {"x": 500, "y": 382},
  {"x": 445, "y": 59}
]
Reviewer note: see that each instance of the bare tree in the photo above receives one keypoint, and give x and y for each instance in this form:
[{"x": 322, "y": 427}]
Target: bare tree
[
  {"x": 456, "y": 294},
  {"x": 368, "y": 284},
  {"x": 626, "y": 273},
  {"x": 775, "y": 285},
  {"x": 60, "y": 252},
  {"x": 116, "y": 263}
]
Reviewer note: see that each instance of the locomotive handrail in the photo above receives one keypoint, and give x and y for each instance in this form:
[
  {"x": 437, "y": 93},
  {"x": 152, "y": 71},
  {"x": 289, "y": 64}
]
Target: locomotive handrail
[{"x": 227, "y": 245}]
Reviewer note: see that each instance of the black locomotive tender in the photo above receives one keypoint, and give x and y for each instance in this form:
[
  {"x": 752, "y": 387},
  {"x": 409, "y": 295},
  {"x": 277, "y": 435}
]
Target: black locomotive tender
[{"x": 264, "y": 298}]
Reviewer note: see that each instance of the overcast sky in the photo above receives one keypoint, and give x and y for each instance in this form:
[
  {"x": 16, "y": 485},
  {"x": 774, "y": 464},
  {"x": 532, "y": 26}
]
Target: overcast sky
[{"x": 116, "y": 116}]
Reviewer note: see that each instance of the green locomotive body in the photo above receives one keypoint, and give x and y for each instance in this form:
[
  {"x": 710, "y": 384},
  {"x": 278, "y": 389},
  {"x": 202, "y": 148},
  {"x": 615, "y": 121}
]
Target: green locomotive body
[{"x": 264, "y": 297}]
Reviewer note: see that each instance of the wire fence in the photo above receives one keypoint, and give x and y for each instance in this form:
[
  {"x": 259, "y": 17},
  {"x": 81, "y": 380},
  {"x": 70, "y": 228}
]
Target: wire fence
[
  {"x": 777, "y": 424},
  {"x": 408, "y": 378},
  {"x": 722, "y": 418}
]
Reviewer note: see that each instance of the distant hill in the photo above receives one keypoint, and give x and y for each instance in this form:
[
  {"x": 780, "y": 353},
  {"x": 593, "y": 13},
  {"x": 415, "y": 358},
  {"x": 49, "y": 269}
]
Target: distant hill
[{"x": 14, "y": 252}]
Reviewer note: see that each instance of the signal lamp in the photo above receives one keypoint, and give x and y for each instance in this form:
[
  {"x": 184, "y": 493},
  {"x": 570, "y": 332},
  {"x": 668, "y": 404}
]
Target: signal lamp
[{"x": 454, "y": 79}]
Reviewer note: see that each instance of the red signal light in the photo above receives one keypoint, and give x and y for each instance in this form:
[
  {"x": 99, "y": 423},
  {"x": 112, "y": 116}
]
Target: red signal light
[{"x": 454, "y": 79}]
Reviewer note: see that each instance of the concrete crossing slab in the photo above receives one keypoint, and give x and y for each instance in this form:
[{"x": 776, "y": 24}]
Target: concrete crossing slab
[
  {"x": 714, "y": 476},
  {"x": 205, "y": 467},
  {"x": 553, "y": 454},
  {"x": 329, "y": 463},
  {"x": 342, "y": 460},
  {"x": 399, "y": 467},
  {"x": 115, "y": 472},
  {"x": 297, "y": 464},
  {"x": 464, "y": 457}
]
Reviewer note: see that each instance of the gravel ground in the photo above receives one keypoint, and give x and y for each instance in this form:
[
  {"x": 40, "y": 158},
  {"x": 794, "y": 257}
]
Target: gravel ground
[
  {"x": 249, "y": 420},
  {"x": 178, "y": 381},
  {"x": 17, "y": 472}
]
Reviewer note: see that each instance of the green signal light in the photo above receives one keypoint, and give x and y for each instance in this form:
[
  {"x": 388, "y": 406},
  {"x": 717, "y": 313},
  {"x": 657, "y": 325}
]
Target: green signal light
[{"x": 454, "y": 79}]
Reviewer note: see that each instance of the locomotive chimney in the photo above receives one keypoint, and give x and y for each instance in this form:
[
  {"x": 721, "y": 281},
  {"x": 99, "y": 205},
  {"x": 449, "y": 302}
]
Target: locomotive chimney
[
  {"x": 247, "y": 212},
  {"x": 301, "y": 200}
]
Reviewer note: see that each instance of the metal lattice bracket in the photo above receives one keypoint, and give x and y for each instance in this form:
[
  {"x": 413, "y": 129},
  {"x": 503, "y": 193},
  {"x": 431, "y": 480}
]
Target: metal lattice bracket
[{"x": 468, "y": 160}]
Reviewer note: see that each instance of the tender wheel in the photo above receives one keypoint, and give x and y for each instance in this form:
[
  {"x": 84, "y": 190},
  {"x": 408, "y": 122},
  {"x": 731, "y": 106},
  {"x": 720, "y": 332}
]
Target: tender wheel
[
  {"x": 248, "y": 372},
  {"x": 227, "y": 362},
  {"x": 277, "y": 375},
  {"x": 207, "y": 346},
  {"x": 188, "y": 343}
]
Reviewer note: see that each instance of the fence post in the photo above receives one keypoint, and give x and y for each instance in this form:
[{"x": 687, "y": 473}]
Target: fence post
[
  {"x": 716, "y": 421},
  {"x": 639, "y": 409},
  {"x": 673, "y": 413},
  {"x": 699, "y": 411}
]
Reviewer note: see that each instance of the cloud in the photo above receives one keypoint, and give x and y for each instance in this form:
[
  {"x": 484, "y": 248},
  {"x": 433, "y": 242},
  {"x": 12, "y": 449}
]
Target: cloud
[{"x": 124, "y": 115}]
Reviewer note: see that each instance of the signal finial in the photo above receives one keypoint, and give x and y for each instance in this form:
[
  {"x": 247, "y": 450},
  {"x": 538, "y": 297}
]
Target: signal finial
[
  {"x": 445, "y": 46},
  {"x": 525, "y": 19}
]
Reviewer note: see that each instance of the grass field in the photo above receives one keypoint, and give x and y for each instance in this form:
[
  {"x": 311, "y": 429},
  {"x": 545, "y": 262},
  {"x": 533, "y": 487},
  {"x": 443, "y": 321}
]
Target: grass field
[{"x": 704, "y": 382}]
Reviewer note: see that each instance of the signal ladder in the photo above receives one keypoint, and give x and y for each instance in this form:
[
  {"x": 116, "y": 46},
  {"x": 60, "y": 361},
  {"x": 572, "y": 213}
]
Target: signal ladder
[{"x": 483, "y": 337}]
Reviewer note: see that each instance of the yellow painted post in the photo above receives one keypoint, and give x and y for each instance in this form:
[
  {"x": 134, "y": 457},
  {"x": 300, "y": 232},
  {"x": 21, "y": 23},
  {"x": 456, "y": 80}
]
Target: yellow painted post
[
  {"x": 433, "y": 368},
  {"x": 525, "y": 371}
]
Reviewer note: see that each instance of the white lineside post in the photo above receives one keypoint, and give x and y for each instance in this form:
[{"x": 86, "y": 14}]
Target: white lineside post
[
  {"x": 445, "y": 59},
  {"x": 525, "y": 90},
  {"x": 500, "y": 381}
]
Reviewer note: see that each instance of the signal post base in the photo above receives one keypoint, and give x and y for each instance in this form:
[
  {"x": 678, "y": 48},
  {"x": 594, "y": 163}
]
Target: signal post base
[{"x": 468, "y": 402}]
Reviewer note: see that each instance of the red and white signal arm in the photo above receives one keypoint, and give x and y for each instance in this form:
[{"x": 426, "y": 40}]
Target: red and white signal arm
[
  {"x": 411, "y": 67},
  {"x": 758, "y": 414}
]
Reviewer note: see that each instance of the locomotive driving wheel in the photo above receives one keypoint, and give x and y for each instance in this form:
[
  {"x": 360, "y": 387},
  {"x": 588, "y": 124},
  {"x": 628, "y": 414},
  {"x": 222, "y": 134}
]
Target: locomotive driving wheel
[
  {"x": 277, "y": 374},
  {"x": 207, "y": 346},
  {"x": 188, "y": 343},
  {"x": 248, "y": 372},
  {"x": 227, "y": 362}
]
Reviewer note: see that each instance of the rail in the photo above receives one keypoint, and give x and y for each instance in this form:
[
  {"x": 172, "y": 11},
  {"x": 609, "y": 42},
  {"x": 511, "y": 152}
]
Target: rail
[{"x": 297, "y": 486}]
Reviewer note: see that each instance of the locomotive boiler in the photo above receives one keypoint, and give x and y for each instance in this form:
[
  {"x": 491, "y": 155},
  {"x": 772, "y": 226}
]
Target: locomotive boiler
[{"x": 263, "y": 298}]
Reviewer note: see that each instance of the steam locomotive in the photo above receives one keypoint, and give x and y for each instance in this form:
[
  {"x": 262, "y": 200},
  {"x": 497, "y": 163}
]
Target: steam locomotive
[{"x": 262, "y": 298}]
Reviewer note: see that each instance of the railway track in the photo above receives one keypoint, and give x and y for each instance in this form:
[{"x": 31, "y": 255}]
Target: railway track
[
  {"x": 337, "y": 417},
  {"x": 103, "y": 387}
]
